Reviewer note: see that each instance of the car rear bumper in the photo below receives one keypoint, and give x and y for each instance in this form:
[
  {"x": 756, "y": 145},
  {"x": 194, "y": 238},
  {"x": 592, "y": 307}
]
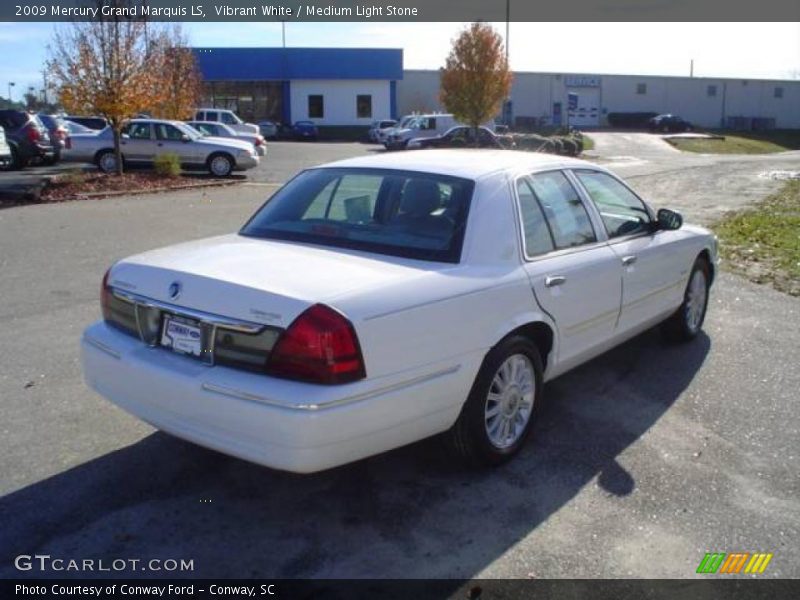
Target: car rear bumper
[{"x": 282, "y": 424}]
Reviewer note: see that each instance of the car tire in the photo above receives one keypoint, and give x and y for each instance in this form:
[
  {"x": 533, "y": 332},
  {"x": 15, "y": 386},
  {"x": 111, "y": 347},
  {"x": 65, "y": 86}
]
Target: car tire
[
  {"x": 17, "y": 162},
  {"x": 502, "y": 405},
  {"x": 106, "y": 161},
  {"x": 686, "y": 323},
  {"x": 220, "y": 164}
]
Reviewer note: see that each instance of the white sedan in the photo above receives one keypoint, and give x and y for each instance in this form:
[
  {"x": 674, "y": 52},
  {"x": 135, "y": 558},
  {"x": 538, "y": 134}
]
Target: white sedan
[{"x": 376, "y": 301}]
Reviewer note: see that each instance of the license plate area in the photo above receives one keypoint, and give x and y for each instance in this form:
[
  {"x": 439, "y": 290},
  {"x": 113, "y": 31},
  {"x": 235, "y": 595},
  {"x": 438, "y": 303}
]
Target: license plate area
[{"x": 185, "y": 336}]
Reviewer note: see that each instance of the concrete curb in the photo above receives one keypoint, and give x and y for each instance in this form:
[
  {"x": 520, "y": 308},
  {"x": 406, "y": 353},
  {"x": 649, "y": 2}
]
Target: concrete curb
[{"x": 114, "y": 193}]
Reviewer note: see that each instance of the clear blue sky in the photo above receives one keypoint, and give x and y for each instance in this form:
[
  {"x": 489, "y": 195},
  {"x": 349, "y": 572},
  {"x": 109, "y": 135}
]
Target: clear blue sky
[{"x": 747, "y": 50}]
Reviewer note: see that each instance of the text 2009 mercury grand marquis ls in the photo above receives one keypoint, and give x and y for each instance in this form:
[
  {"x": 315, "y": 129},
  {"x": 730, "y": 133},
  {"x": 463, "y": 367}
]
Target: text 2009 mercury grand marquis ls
[{"x": 376, "y": 301}]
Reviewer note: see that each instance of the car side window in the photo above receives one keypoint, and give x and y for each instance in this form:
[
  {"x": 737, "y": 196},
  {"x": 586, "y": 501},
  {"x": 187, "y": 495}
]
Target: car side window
[
  {"x": 565, "y": 213},
  {"x": 228, "y": 119},
  {"x": 139, "y": 131},
  {"x": 164, "y": 131},
  {"x": 212, "y": 116},
  {"x": 622, "y": 212},
  {"x": 535, "y": 232}
]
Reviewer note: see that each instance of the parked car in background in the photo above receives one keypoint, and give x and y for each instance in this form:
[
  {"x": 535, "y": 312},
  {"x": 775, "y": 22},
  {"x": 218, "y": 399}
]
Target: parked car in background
[
  {"x": 96, "y": 123},
  {"x": 379, "y": 300},
  {"x": 5, "y": 149},
  {"x": 73, "y": 128},
  {"x": 58, "y": 132},
  {"x": 223, "y": 131},
  {"x": 305, "y": 130},
  {"x": 27, "y": 137},
  {"x": 463, "y": 136},
  {"x": 669, "y": 124},
  {"x": 226, "y": 117},
  {"x": 378, "y": 130},
  {"x": 144, "y": 139},
  {"x": 269, "y": 129},
  {"x": 422, "y": 126}
]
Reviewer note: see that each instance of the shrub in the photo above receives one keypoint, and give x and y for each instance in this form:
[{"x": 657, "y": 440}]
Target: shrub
[{"x": 167, "y": 165}]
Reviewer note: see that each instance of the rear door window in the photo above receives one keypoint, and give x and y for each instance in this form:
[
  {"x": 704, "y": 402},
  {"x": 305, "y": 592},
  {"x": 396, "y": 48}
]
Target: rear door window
[{"x": 565, "y": 213}]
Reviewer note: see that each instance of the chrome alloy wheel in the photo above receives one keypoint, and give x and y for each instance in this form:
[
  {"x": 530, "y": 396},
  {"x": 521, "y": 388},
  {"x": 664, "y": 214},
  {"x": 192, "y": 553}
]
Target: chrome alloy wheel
[
  {"x": 696, "y": 300},
  {"x": 108, "y": 162},
  {"x": 509, "y": 402}
]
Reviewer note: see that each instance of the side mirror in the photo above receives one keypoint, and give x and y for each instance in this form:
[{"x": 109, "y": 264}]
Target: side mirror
[
  {"x": 185, "y": 138},
  {"x": 125, "y": 136},
  {"x": 669, "y": 220}
]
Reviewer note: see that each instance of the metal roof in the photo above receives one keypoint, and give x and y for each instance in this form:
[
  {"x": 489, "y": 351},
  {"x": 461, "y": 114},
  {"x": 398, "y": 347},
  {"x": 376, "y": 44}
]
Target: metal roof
[{"x": 278, "y": 64}]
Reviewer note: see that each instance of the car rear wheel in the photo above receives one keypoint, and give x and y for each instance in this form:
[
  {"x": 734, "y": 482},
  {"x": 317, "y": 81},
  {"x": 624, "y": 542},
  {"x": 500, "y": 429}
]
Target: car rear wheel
[
  {"x": 107, "y": 161},
  {"x": 686, "y": 322},
  {"x": 500, "y": 410},
  {"x": 220, "y": 165},
  {"x": 17, "y": 162}
]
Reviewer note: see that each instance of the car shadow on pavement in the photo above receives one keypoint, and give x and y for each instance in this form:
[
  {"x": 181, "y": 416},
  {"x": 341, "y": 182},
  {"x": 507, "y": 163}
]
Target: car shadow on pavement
[{"x": 412, "y": 512}]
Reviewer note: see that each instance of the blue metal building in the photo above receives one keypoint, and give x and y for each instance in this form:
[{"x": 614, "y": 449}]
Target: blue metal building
[{"x": 330, "y": 86}]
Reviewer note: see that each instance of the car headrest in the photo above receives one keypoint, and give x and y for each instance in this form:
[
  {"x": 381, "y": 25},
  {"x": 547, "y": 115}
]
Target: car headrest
[{"x": 420, "y": 197}]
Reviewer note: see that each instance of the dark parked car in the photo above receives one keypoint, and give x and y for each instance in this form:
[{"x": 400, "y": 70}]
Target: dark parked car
[
  {"x": 27, "y": 137},
  {"x": 98, "y": 123},
  {"x": 462, "y": 136},
  {"x": 305, "y": 130},
  {"x": 58, "y": 132},
  {"x": 669, "y": 124}
]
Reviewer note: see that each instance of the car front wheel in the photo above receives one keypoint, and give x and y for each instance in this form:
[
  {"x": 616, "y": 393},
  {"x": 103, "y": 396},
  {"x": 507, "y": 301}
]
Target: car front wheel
[
  {"x": 107, "y": 161},
  {"x": 686, "y": 322},
  {"x": 220, "y": 165},
  {"x": 500, "y": 410}
]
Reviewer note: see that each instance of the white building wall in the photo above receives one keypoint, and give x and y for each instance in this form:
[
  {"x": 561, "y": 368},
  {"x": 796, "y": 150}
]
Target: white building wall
[
  {"x": 533, "y": 95},
  {"x": 339, "y": 100}
]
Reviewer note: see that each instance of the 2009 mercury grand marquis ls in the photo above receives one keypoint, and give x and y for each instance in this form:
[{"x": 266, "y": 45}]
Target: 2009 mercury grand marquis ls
[{"x": 376, "y": 301}]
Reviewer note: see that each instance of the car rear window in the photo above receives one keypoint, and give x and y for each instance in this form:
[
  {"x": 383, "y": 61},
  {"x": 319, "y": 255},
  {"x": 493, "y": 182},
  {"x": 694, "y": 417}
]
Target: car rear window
[{"x": 400, "y": 213}]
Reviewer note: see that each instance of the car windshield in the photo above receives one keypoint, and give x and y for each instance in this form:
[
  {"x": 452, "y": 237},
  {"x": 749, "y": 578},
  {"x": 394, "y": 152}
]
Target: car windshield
[{"x": 400, "y": 213}]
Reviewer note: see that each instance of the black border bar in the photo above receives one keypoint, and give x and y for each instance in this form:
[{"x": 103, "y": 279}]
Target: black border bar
[
  {"x": 708, "y": 588},
  {"x": 409, "y": 10}
]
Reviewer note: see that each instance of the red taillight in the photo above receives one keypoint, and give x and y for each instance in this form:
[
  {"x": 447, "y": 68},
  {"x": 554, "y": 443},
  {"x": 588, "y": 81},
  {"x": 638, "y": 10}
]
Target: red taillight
[
  {"x": 320, "y": 346},
  {"x": 105, "y": 295},
  {"x": 259, "y": 141},
  {"x": 33, "y": 134}
]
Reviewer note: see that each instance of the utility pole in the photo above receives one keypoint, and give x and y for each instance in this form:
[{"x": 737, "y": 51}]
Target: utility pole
[
  {"x": 283, "y": 32},
  {"x": 691, "y": 68},
  {"x": 11, "y": 84}
]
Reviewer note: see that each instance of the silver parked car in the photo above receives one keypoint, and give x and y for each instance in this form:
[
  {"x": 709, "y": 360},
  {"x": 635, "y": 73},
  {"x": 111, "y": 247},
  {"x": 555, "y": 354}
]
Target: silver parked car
[
  {"x": 5, "y": 149},
  {"x": 144, "y": 139},
  {"x": 223, "y": 131}
]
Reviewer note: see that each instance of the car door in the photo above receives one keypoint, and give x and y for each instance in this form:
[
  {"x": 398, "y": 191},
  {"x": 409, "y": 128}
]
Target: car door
[
  {"x": 574, "y": 274},
  {"x": 138, "y": 145},
  {"x": 170, "y": 139},
  {"x": 653, "y": 277}
]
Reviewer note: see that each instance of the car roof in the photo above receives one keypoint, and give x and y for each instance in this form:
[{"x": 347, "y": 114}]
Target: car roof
[{"x": 467, "y": 163}]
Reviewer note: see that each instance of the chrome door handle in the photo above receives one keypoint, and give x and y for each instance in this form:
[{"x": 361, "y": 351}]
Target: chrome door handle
[
  {"x": 554, "y": 280},
  {"x": 628, "y": 260}
]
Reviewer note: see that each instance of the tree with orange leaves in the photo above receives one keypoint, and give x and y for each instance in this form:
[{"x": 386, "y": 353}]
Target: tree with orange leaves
[
  {"x": 180, "y": 76},
  {"x": 476, "y": 78},
  {"x": 107, "y": 67}
]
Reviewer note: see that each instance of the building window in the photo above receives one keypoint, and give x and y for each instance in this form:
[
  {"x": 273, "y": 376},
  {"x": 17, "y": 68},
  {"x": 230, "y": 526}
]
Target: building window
[
  {"x": 641, "y": 88},
  {"x": 778, "y": 92},
  {"x": 316, "y": 107},
  {"x": 364, "y": 106},
  {"x": 712, "y": 91}
]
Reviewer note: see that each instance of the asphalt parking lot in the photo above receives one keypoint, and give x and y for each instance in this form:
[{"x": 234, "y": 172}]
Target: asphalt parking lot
[{"x": 643, "y": 460}]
